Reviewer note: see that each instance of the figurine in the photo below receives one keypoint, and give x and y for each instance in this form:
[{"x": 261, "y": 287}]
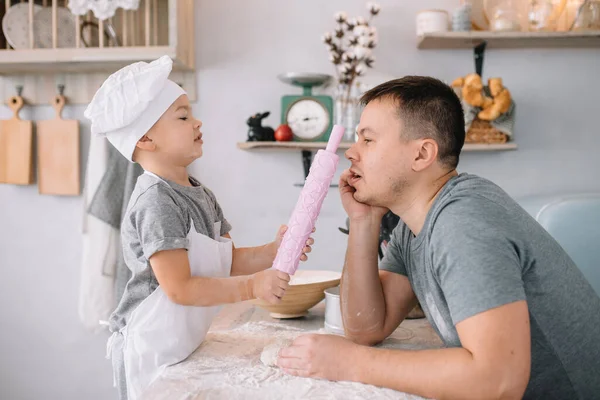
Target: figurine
[{"x": 257, "y": 132}]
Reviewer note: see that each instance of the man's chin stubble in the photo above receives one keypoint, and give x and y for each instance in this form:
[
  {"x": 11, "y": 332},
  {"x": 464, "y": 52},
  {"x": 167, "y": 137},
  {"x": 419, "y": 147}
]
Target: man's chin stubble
[{"x": 362, "y": 200}]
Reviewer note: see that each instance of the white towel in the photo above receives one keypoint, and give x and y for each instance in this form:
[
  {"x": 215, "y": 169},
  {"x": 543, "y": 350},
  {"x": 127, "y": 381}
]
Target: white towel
[{"x": 101, "y": 247}]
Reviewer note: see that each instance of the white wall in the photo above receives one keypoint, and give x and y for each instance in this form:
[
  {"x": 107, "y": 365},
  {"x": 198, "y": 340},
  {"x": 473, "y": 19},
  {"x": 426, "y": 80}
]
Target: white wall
[{"x": 241, "y": 47}]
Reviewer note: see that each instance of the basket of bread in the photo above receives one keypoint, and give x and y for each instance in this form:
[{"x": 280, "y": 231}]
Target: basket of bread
[{"x": 489, "y": 110}]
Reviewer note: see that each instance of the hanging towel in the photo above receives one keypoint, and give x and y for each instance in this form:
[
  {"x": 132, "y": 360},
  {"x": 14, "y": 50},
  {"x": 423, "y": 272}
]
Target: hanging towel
[
  {"x": 109, "y": 177},
  {"x": 100, "y": 244},
  {"x": 110, "y": 203}
]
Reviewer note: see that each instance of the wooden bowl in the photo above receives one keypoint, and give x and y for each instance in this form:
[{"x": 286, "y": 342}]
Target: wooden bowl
[{"x": 307, "y": 289}]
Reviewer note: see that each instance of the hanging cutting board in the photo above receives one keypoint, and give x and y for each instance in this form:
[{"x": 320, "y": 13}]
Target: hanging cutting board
[
  {"x": 58, "y": 153},
  {"x": 16, "y": 141}
]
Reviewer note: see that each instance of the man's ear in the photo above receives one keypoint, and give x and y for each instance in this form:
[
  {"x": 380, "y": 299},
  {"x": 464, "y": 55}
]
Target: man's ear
[
  {"x": 426, "y": 154},
  {"x": 145, "y": 143}
]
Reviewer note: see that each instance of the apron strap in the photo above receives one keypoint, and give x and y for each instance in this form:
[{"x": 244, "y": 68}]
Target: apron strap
[{"x": 110, "y": 344}]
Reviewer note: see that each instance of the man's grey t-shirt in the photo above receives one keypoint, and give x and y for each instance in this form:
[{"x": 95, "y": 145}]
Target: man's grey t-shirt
[
  {"x": 477, "y": 250},
  {"x": 158, "y": 218}
]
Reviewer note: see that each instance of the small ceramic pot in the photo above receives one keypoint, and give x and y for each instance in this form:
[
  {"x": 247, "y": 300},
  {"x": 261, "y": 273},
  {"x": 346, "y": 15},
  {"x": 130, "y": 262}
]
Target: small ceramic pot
[
  {"x": 333, "y": 311},
  {"x": 429, "y": 21}
]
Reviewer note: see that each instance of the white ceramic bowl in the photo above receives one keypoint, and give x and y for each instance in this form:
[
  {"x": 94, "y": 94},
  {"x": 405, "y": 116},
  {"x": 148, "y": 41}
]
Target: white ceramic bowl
[{"x": 429, "y": 21}]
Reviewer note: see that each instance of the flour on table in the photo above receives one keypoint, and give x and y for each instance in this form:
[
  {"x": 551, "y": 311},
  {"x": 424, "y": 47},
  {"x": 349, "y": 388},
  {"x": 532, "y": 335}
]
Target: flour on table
[
  {"x": 270, "y": 353},
  {"x": 229, "y": 365}
]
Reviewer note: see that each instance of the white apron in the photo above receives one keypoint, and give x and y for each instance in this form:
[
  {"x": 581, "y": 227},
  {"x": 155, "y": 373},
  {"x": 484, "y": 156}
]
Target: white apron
[{"x": 161, "y": 333}]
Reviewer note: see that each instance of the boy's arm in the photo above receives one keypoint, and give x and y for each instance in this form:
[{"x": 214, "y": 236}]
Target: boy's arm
[
  {"x": 250, "y": 260},
  {"x": 172, "y": 270},
  {"x": 161, "y": 227}
]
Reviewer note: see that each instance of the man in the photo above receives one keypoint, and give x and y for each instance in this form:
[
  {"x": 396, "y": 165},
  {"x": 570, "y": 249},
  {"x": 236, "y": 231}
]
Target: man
[{"x": 517, "y": 317}]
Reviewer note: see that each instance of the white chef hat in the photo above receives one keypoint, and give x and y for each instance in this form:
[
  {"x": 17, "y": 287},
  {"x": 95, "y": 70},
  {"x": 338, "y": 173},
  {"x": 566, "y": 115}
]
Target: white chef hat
[{"x": 130, "y": 102}]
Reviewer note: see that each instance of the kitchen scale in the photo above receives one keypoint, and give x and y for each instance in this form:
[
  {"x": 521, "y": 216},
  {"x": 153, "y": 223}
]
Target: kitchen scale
[{"x": 309, "y": 116}]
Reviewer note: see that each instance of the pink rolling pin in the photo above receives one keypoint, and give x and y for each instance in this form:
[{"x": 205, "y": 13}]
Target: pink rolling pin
[{"x": 309, "y": 203}]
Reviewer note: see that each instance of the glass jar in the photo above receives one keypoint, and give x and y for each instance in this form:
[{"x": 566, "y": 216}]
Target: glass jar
[
  {"x": 588, "y": 16},
  {"x": 347, "y": 109},
  {"x": 540, "y": 16},
  {"x": 505, "y": 16}
]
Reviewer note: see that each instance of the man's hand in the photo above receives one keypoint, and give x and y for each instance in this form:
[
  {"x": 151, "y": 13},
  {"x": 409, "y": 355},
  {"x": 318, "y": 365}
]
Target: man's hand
[
  {"x": 279, "y": 238},
  {"x": 269, "y": 285},
  {"x": 355, "y": 209},
  {"x": 320, "y": 356}
]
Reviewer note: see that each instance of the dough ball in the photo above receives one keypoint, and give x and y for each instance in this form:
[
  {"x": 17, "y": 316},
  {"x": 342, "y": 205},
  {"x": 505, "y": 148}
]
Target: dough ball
[{"x": 270, "y": 353}]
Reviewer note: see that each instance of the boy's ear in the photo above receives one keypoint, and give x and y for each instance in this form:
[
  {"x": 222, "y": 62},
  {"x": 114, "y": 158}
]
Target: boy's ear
[{"x": 145, "y": 143}]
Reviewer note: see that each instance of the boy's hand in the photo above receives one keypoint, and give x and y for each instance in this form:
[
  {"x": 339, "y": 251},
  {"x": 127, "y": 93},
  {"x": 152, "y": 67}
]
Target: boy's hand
[
  {"x": 270, "y": 285},
  {"x": 279, "y": 238}
]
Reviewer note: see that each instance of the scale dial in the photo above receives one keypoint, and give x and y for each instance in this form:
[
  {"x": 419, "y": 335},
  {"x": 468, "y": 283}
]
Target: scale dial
[{"x": 308, "y": 119}]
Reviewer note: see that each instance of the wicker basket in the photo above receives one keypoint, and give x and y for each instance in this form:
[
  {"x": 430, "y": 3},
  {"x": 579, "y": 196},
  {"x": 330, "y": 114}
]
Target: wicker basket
[{"x": 483, "y": 132}]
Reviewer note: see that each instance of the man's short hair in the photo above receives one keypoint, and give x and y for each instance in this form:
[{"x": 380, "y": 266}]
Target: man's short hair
[{"x": 429, "y": 109}]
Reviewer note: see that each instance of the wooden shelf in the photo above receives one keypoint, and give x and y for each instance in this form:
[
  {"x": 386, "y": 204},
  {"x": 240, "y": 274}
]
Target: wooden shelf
[
  {"x": 509, "y": 40},
  {"x": 313, "y": 146},
  {"x": 310, "y": 146},
  {"x": 489, "y": 147},
  {"x": 94, "y": 59},
  {"x": 78, "y": 72}
]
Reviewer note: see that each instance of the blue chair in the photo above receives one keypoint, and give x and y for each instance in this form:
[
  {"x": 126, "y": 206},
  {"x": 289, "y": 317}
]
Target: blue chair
[{"x": 574, "y": 222}]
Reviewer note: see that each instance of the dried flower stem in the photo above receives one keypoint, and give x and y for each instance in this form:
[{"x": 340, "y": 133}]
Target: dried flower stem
[{"x": 349, "y": 60}]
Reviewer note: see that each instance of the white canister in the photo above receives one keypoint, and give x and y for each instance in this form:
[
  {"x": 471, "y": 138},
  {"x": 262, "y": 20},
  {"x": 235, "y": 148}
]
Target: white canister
[
  {"x": 333, "y": 311},
  {"x": 429, "y": 21}
]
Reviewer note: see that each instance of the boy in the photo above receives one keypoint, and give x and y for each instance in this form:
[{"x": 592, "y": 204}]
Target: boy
[{"x": 174, "y": 235}]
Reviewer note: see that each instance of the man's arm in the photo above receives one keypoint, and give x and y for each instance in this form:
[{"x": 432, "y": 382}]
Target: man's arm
[
  {"x": 493, "y": 363},
  {"x": 373, "y": 302},
  {"x": 477, "y": 265}
]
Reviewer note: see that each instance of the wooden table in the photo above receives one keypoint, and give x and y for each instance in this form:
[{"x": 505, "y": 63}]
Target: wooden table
[{"x": 227, "y": 365}]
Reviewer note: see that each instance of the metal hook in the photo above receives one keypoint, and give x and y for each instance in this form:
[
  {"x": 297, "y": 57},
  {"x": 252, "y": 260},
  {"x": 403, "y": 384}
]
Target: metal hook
[
  {"x": 478, "y": 54},
  {"x": 19, "y": 89},
  {"x": 61, "y": 89}
]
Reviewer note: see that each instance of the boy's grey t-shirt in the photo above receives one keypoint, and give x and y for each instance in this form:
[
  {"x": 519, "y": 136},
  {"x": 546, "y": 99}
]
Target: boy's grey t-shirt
[
  {"x": 158, "y": 218},
  {"x": 478, "y": 250}
]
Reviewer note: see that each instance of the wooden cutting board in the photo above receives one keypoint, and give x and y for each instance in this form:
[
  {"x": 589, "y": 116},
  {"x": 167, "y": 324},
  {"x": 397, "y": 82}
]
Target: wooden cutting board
[
  {"x": 58, "y": 153},
  {"x": 16, "y": 141}
]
